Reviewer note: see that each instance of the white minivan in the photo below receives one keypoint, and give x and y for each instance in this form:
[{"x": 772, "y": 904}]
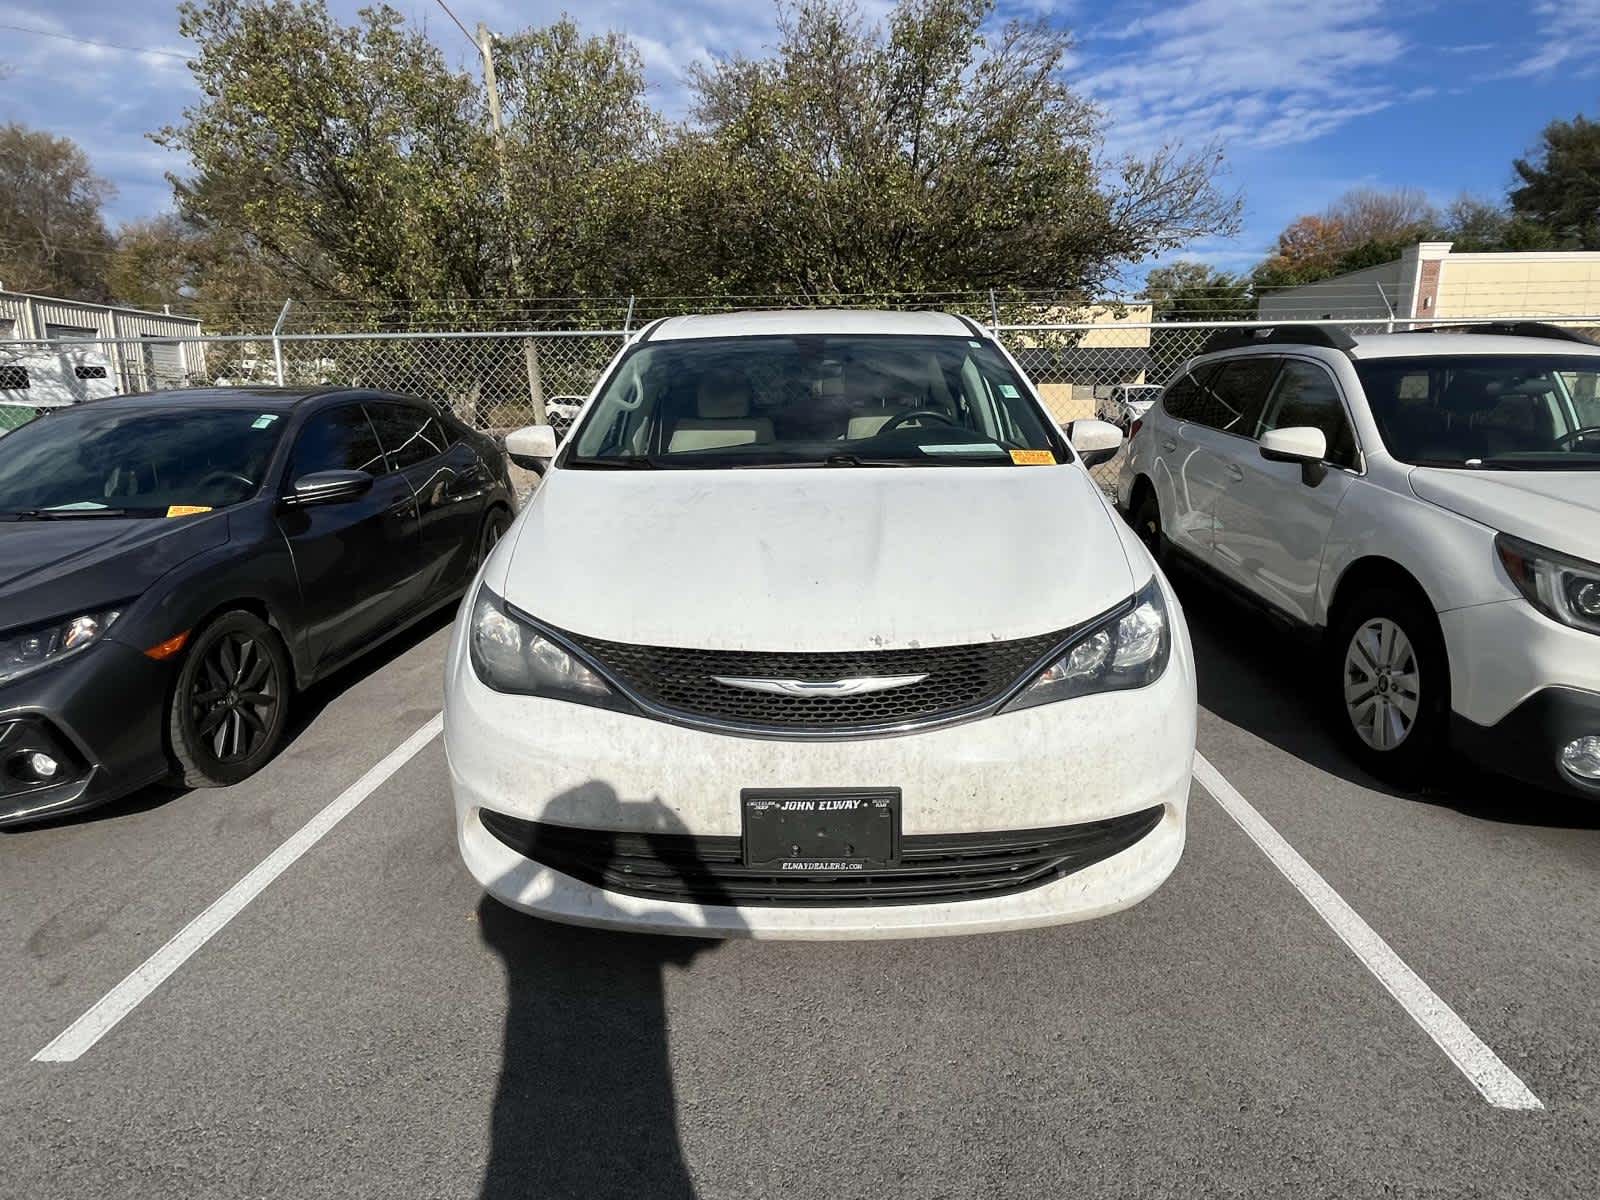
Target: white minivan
[
  {"x": 1426, "y": 505},
  {"x": 819, "y": 627}
]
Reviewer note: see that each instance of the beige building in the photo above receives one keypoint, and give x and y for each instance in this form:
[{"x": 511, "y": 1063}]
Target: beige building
[
  {"x": 150, "y": 354},
  {"x": 1071, "y": 368},
  {"x": 1428, "y": 281}
]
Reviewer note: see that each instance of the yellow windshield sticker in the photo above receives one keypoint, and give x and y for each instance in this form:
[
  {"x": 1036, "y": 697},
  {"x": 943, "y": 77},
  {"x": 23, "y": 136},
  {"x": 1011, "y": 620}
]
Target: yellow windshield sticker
[
  {"x": 186, "y": 510},
  {"x": 1033, "y": 458}
]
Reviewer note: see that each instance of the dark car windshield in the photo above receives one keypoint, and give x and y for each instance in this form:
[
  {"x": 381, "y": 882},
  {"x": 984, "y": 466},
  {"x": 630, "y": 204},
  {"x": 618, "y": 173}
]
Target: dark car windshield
[
  {"x": 888, "y": 400},
  {"x": 1522, "y": 412},
  {"x": 88, "y": 459}
]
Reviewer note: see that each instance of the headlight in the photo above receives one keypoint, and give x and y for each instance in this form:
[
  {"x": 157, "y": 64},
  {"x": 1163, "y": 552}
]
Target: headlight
[
  {"x": 1563, "y": 588},
  {"x": 1126, "y": 651},
  {"x": 512, "y": 656},
  {"x": 25, "y": 650}
]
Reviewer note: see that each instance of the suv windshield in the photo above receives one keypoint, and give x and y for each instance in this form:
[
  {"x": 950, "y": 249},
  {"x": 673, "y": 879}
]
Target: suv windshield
[
  {"x": 892, "y": 400},
  {"x": 87, "y": 461},
  {"x": 1523, "y": 412}
]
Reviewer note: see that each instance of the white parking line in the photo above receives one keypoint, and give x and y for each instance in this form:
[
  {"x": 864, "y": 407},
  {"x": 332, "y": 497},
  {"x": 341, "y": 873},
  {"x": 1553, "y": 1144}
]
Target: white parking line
[
  {"x": 1497, "y": 1083},
  {"x": 121, "y": 1000}
]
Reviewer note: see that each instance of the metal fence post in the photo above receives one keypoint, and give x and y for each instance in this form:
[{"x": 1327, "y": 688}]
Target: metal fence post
[
  {"x": 627, "y": 322},
  {"x": 277, "y": 340},
  {"x": 994, "y": 315}
]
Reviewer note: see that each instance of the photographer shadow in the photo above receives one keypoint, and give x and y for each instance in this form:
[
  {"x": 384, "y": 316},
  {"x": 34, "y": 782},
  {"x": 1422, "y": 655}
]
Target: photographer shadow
[{"x": 585, "y": 1105}]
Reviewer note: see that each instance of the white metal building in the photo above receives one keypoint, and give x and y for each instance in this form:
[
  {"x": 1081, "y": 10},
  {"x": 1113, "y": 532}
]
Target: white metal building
[{"x": 145, "y": 349}]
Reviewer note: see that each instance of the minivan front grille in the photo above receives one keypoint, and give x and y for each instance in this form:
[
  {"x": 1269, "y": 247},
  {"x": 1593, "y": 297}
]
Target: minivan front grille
[
  {"x": 933, "y": 868},
  {"x": 957, "y": 680}
]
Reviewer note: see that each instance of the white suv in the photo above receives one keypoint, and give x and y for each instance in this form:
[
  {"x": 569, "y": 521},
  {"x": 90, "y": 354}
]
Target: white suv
[
  {"x": 1428, "y": 504},
  {"x": 819, "y": 627}
]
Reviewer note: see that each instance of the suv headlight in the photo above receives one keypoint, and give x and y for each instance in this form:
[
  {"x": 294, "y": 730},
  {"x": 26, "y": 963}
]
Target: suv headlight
[
  {"x": 1564, "y": 588},
  {"x": 511, "y": 655},
  {"x": 1126, "y": 651},
  {"x": 25, "y": 650}
]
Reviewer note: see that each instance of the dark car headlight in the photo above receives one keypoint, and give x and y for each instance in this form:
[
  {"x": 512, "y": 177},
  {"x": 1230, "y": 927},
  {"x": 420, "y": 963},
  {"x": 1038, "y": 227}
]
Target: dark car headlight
[
  {"x": 1563, "y": 588},
  {"x": 1128, "y": 650},
  {"x": 511, "y": 655},
  {"x": 25, "y": 650}
]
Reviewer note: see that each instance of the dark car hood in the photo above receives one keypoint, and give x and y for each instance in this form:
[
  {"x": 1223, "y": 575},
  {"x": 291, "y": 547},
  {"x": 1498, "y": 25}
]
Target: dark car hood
[{"x": 51, "y": 568}]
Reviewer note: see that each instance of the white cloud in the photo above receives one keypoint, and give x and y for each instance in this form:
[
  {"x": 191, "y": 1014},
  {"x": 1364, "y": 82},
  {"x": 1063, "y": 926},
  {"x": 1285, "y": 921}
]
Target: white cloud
[
  {"x": 1248, "y": 73},
  {"x": 1566, "y": 33}
]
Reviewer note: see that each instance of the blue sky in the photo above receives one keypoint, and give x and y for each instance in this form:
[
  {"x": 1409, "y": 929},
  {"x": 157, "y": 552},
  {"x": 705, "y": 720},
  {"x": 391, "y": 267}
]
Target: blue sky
[{"x": 1307, "y": 97}]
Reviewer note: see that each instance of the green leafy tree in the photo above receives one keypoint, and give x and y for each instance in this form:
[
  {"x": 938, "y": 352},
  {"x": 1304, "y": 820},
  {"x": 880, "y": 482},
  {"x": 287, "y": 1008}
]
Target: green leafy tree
[
  {"x": 53, "y": 238},
  {"x": 1559, "y": 190},
  {"x": 1193, "y": 291},
  {"x": 926, "y": 154},
  {"x": 352, "y": 160}
]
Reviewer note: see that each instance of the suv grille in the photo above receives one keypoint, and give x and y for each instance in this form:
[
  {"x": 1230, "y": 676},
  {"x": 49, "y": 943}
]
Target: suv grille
[
  {"x": 959, "y": 679},
  {"x": 710, "y": 870}
]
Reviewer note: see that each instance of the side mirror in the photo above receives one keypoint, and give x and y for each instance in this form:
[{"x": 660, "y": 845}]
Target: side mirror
[
  {"x": 328, "y": 487},
  {"x": 532, "y": 446},
  {"x": 1301, "y": 444},
  {"x": 1095, "y": 441}
]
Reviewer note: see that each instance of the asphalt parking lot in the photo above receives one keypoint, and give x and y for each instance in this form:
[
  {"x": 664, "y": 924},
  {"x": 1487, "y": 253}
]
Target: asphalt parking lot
[{"x": 367, "y": 1025}]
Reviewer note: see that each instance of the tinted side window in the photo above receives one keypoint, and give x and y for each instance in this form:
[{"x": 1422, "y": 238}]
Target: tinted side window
[
  {"x": 410, "y": 434},
  {"x": 1305, "y": 395},
  {"x": 1183, "y": 393},
  {"x": 340, "y": 439},
  {"x": 1231, "y": 400}
]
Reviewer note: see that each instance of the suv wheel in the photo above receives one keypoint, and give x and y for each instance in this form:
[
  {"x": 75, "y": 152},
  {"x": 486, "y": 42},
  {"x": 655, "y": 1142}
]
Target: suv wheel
[
  {"x": 230, "y": 705},
  {"x": 1393, "y": 684},
  {"x": 1147, "y": 523}
]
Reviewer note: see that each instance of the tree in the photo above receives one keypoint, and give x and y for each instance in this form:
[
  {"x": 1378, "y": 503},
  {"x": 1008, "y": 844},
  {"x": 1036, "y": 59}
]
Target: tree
[
  {"x": 1367, "y": 214},
  {"x": 1307, "y": 250},
  {"x": 351, "y": 159},
  {"x": 1192, "y": 291},
  {"x": 53, "y": 238},
  {"x": 1560, "y": 184},
  {"x": 923, "y": 155}
]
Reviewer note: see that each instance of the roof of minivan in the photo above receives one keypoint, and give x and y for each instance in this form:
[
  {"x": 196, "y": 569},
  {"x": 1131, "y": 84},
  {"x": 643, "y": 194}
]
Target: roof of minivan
[{"x": 808, "y": 321}]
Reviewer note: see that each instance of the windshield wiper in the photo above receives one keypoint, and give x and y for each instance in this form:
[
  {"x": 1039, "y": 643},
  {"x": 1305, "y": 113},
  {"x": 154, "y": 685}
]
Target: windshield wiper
[
  {"x": 61, "y": 514},
  {"x": 619, "y": 462}
]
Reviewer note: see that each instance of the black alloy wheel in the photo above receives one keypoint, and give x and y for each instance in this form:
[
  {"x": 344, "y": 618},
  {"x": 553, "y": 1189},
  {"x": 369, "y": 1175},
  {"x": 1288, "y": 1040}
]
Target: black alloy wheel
[{"x": 230, "y": 704}]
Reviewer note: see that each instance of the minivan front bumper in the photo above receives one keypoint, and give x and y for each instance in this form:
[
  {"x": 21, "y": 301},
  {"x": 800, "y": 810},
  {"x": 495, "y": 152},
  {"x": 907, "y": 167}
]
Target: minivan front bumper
[{"x": 1066, "y": 764}]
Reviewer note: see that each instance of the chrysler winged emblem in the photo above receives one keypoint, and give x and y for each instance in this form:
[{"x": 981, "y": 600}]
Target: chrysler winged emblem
[{"x": 822, "y": 687}]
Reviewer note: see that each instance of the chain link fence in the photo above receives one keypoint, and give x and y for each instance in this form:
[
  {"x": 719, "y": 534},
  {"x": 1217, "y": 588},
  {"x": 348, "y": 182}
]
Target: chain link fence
[{"x": 498, "y": 380}]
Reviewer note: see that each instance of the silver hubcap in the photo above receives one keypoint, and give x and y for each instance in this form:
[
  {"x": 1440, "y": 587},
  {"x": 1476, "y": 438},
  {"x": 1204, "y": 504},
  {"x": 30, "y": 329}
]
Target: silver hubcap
[{"x": 1381, "y": 688}]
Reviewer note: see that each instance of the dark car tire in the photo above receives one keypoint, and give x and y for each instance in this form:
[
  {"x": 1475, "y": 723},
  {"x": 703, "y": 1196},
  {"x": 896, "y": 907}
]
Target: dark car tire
[
  {"x": 1409, "y": 685},
  {"x": 230, "y": 704},
  {"x": 1146, "y": 523},
  {"x": 495, "y": 523}
]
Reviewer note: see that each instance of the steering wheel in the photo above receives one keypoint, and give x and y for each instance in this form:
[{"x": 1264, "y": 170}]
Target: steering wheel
[
  {"x": 1574, "y": 435},
  {"x": 914, "y": 414},
  {"x": 221, "y": 474}
]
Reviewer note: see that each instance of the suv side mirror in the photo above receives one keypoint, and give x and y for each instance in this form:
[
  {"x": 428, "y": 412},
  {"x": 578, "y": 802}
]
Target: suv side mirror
[
  {"x": 531, "y": 447},
  {"x": 1301, "y": 444},
  {"x": 1096, "y": 441},
  {"x": 328, "y": 487}
]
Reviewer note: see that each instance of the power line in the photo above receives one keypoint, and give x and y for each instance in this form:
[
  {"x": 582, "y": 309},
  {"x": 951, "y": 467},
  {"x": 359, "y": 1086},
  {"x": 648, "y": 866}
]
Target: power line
[
  {"x": 457, "y": 20},
  {"x": 67, "y": 37}
]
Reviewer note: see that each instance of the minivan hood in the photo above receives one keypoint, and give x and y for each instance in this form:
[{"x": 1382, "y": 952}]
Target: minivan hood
[
  {"x": 51, "y": 568},
  {"x": 830, "y": 558},
  {"x": 1558, "y": 509}
]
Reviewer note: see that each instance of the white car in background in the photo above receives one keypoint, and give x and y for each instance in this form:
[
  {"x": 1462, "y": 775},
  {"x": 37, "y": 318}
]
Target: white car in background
[
  {"x": 819, "y": 627},
  {"x": 1126, "y": 403},
  {"x": 1427, "y": 505}
]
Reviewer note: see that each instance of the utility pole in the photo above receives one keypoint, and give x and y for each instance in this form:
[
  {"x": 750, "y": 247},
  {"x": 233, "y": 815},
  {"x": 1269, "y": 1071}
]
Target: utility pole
[{"x": 530, "y": 351}]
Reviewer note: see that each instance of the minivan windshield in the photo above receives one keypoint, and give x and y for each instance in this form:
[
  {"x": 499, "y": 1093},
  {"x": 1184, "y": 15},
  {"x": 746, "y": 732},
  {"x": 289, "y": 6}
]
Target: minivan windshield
[
  {"x": 1521, "y": 412},
  {"x": 825, "y": 400},
  {"x": 85, "y": 461}
]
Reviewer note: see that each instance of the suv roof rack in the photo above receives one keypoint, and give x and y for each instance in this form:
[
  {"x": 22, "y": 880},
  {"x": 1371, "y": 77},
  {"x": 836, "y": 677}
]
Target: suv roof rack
[
  {"x": 1533, "y": 329},
  {"x": 1330, "y": 336}
]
